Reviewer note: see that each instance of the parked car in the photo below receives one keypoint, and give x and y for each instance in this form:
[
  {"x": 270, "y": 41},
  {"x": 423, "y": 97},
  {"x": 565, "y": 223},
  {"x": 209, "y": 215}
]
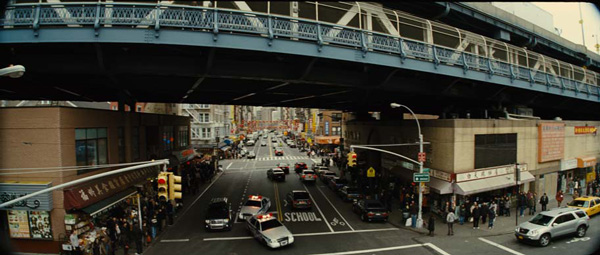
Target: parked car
[
  {"x": 590, "y": 205},
  {"x": 250, "y": 142},
  {"x": 218, "y": 215},
  {"x": 308, "y": 176},
  {"x": 255, "y": 204},
  {"x": 276, "y": 174},
  {"x": 299, "y": 199},
  {"x": 251, "y": 155},
  {"x": 370, "y": 210},
  {"x": 285, "y": 167},
  {"x": 551, "y": 224},
  {"x": 336, "y": 183},
  {"x": 268, "y": 230},
  {"x": 263, "y": 143},
  {"x": 348, "y": 193},
  {"x": 299, "y": 166},
  {"x": 324, "y": 175}
]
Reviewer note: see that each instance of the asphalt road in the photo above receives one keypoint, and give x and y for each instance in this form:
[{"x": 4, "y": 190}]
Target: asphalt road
[{"x": 330, "y": 227}]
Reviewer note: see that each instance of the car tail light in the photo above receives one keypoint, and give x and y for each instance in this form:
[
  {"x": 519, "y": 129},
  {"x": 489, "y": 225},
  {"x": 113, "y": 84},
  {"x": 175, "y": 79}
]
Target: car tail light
[
  {"x": 303, "y": 176},
  {"x": 370, "y": 214},
  {"x": 385, "y": 214}
]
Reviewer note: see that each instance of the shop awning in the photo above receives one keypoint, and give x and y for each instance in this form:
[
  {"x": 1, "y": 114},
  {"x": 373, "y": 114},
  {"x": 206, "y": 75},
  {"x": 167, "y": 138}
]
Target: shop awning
[
  {"x": 442, "y": 187},
  {"x": 327, "y": 140},
  {"x": 487, "y": 184},
  {"x": 584, "y": 162},
  {"x": 109, "y": 202}
]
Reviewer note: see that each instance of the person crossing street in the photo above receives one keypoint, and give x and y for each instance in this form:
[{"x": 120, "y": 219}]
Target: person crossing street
[{"x": 450, "y": 218}]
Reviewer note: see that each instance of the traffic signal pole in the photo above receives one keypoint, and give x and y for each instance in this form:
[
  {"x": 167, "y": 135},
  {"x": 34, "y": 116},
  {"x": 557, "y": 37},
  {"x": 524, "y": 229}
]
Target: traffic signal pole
[{"x": 85, "y": 179}]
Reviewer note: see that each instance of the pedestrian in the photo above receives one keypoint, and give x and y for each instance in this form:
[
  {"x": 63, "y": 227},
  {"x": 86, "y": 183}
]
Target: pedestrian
[
  {"x": 413, "y": 214},
  {"x": 431, "y": 225},
  {"x": 74, "y": 239},
  {"x": 507, "y": 206},
  {"x": 138, "y": 237},
  {"x": 483, "y": 211},
  {"x": 492, "y": 215},
  {"x": 461, "y": 214},
  {"x": 544, "y": 201},
  {"x": 476, "y": 214},
  {"x": 531, "y": 203},
  {"x": 522, "y": 203},
  {"x": 575, "y": 194},
  {"x": 559, "y": 197},
  {"x": 450, "y": 218}
]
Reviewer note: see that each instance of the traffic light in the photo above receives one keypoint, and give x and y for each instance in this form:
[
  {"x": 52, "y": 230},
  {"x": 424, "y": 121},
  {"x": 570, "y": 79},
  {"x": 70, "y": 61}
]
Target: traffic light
[
  {"x": 163, "y": 187},
  {"x": 174, "y": 186},
  {"x": 352, "y": 159}
]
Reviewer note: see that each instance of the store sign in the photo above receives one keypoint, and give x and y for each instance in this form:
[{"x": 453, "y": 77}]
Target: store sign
[
  {"x": 583, "y": 130},
  {"x": 326, "y": 127},
  {"x": 13, "y": 190},
  {"x": 489, "y": 172},
  {"x": 89, "y": 193},
  {"x": 568, "y": 164},
  {"x": 184, "y": 155},
  {"x": 551, "y": 141},
  {"x": 29, "y": 224}
]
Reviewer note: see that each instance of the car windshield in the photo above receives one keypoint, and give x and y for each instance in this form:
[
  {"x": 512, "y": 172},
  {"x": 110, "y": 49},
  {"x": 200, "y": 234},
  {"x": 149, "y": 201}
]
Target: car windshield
[
  {"x": 216, "y": 211},
  {"x": 301, "y": 195},
  {"x": 283, "y": 164},
  {"x": 541, "y": 219},
  {"x": 252, "y": 203},
  {"x": 374, "y": 205},
  {"x": 269, "y": 224},
  {"x": 580, "y": 203},
  {"x": 278, "y": 172},
  {"x": 309, "y": 172}
]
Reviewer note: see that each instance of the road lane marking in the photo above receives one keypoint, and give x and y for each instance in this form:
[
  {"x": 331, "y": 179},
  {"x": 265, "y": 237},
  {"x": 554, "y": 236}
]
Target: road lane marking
[
  {"x": 336, "y": 210},
  {"x": 389, "y": 249},
  {"x": 306, "y": 234},
  {"x": 318, "y": 208},
  {"x": 501, "y": 246},
  {"x": 229, "y": 165},
  {"x": 174, "y": 240},
  {"x": 278, "y": 202}
]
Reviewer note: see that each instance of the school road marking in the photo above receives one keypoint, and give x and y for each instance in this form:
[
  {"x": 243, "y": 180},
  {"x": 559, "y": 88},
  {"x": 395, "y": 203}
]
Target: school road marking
[
  {"x": 306, "y": 234},
  {"x": 501, "y": 246},
  {"x": 430, "y": 245}
]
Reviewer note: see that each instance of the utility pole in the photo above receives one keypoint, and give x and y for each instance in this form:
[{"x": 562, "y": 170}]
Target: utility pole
[{"x": 581, "y": 22}]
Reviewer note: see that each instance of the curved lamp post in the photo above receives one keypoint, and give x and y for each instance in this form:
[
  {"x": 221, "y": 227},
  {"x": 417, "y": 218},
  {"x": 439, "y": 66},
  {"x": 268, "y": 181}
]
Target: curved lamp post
[
  {"x": 13, "y": 71},
  {"x": 419, "y": 217}
]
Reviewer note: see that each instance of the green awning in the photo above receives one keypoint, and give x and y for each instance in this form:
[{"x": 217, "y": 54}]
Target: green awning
[{"x": 109, "y": 202}]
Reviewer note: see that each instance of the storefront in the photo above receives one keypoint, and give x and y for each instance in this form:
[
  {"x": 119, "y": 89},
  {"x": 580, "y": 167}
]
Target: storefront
[
  {"x": 28, "y": 221},
  {"x": 89, "y": 205}
]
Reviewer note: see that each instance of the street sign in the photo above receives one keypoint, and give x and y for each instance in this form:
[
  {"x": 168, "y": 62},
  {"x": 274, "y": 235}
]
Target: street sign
[
  {"x": 425, "y": 170},
  {"x": 371, "y": 172},
  {"x": 421, "y": 177},
  {"x": 422, "y": 156}
]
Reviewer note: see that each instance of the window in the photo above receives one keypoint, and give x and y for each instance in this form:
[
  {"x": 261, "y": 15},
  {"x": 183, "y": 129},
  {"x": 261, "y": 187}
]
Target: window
[
  {"x": 204, "y": 117},
  {"x": 336, "y": 117},
  {"x": 138, "y": 108},
  {"x": 168, "y": 137},
  {"x": 135, "y": 143},
  {"x": 495, "y": 150},
  {"x": 121, "y": 141},
  {"x": 580, "y": 214},
  {"x": 336, "y": 130},
  {"x": 90, "y": 147},
  {"x": 206, "y": 133},
  {"x": 195, "y": 133},
  {"x": 183, "y": 136}
]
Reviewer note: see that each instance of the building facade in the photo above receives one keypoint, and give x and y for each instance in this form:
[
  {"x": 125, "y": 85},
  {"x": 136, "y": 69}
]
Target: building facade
[
  {"x": 209, "y": 123},
  {"x": 60, "y": 137}
]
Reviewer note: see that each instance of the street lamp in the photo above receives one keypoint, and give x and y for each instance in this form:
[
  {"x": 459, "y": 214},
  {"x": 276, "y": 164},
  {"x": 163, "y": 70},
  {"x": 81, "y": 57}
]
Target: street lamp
[
  {"x": 13, "y": 71},
  {"x": 419, "y": 217}
]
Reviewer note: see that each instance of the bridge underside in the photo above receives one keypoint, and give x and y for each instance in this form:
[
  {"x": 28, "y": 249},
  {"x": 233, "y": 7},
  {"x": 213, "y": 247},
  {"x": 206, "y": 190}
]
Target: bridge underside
[{"x": 189, "y": 74}]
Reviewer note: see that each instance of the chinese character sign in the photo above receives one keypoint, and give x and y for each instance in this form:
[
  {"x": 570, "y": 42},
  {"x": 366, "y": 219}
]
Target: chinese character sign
[{"x": 551, "y": 141}]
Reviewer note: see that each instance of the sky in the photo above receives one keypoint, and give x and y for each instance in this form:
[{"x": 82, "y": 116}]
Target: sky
[{"x": 566, "y": 18}]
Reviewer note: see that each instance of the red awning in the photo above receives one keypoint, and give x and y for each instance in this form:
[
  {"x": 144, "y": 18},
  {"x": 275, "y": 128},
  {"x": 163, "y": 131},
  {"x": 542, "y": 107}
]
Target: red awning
[{"x": 85, "y": 194}]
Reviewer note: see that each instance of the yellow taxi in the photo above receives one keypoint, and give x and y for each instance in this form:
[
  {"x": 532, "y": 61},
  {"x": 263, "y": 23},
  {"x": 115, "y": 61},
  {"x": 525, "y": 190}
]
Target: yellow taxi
[{"x": 591, "y": 205}]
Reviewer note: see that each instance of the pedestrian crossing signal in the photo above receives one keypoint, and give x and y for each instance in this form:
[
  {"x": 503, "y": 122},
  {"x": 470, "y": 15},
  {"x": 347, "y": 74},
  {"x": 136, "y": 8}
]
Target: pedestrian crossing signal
[{"x": 163, "y": 187}]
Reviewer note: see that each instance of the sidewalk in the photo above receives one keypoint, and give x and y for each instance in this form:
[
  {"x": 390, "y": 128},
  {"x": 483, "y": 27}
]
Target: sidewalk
[{"x": 502, "y": 225}]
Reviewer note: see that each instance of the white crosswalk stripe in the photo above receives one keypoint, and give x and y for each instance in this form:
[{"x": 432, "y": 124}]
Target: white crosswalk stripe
[{"x": 280, "y": 158}]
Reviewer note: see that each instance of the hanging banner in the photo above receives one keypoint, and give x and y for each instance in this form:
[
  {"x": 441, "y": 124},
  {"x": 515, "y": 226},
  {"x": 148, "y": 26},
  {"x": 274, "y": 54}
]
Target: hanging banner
[
  {"x": 583, "y": 130},
  {"x": 326, "y": 127}
]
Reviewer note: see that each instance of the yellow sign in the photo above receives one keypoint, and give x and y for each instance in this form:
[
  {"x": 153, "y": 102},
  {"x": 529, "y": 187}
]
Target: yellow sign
[
  {"x": 309, "y": 141},
  {"x": 371, "y": 172}
]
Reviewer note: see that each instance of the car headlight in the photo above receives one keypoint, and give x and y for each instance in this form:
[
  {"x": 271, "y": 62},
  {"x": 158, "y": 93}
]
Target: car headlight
[
  {"x": 517, "y": 229},
  {"x": 207, "y": 221},
  {"x": 533, "y": 232},
  {"x": 226, "y": 220}
]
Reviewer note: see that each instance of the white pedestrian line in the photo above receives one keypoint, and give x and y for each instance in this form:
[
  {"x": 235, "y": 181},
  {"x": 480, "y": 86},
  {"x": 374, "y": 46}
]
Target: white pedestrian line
[
  {"x": 389, "y": 249},
  {"x": 336, "y": 210},
  {"x": 306, "y": 234},
  {"x": 174, "y": 240},
  {"x": 501, "y": 246},
  {"x": 318, "y": 208},
  {"x": 229, "y": 165}
]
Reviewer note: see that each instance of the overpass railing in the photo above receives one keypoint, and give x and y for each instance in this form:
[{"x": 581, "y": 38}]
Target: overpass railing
[{"x": 517, "y": 64}]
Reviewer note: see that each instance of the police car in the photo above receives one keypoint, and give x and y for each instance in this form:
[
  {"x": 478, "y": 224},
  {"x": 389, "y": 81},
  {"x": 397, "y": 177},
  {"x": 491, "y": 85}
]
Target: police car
[
  {"x": 255, "y": 205},
  {"x": 267, "y": 229}
]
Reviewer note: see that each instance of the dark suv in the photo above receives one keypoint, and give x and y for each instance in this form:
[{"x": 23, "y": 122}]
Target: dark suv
[
  {"x": 276, "y": 174},
  {"x": 218, "y": 215},
  {"x": 370, "y": 210},
  {"x": 285, "y": 167}
]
